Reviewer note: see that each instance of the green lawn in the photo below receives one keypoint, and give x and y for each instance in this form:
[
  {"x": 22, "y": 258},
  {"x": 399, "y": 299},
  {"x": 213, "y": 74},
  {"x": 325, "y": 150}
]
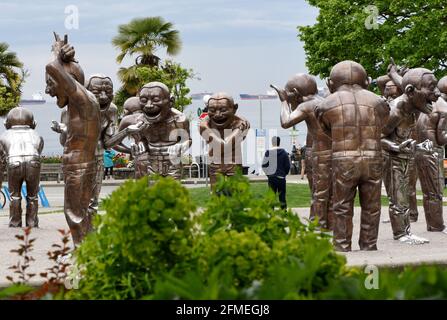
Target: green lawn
[{"x": 298, "y": 195}]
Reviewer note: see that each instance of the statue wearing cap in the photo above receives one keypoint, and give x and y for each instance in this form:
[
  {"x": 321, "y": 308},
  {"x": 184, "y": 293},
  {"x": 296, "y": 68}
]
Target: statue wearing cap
[
  {"x": 21, "y": 147},
  {"x": 224, "y": 131},
  {"x": 353, "y": 118}
]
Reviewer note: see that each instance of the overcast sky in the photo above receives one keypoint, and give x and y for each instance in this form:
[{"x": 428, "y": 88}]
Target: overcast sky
[{"x": 234, "y": 46}]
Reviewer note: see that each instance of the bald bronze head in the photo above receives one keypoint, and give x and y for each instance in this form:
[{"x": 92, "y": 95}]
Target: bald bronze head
[
  {"x": 348, "y": 73},
  {"x": 102, "y": 87},
  {"x": 304, "y": 83},
  {"x": 391, "y": 91},
  {"x": 420, "y": 86},
  {"x": 299, "y": 87},
  {"x": 155, "y": 101},
  {"x": 221, "y": 110},
  {"x": 442, "y": 87},
  {"x": 132, "y": 105},
  {"x": 20, "y": 116}
]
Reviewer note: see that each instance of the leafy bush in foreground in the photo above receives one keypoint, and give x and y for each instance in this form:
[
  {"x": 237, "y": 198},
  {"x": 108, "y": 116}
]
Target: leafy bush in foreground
[
  {"x": 152, "y": 244},
  {"x": 146, "y": 231},
  {"x": 152, "y": 234}
]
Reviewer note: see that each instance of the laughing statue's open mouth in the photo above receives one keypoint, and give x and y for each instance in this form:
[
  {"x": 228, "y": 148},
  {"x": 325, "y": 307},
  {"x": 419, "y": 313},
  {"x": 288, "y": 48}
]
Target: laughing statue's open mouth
[
  {"x": 152, "y": 113},
  {"x": 428, "y": 106},
  {"x": 220, "y": 120}
]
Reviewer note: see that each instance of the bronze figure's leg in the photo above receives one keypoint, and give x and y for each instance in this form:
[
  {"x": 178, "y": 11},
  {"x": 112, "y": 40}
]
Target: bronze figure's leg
[
  {"x": 213, "y": 171},
  {"x": 346, "y": 174},
  {"x": 309, "y": 164},
  {"x": 399, "y": 197},
  {"x": 430, "y": 170},
  {"x": 79, "y": 187},
  {"x": 322, "y": 181},
  {"x": 412, "y": 191},
  {"x": 369, "y": 194},
  {"x": 15, "y": 180},
  {"x": 94, "y": 201},
  {"x": 32, "y": 190},
  {"x": 141, "y": 166},
  {"x": 309, "y": 167}
]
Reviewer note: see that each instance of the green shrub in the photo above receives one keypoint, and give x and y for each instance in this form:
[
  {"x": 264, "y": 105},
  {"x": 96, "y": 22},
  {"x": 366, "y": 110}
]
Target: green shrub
[
  {"x": 234, "y": 206},
  {"x": 148, "y": 245},
  {"x": 146, "y": 231},
  {"x": 243, "y": 254},
  {"x": 422, "y": 282}
]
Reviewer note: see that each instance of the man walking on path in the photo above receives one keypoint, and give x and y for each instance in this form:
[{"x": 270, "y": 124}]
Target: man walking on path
[{"x": 276, "y": 165}]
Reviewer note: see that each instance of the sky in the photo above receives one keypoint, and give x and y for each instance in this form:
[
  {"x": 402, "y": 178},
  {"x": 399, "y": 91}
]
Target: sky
[{"x": 233, "y": 46}]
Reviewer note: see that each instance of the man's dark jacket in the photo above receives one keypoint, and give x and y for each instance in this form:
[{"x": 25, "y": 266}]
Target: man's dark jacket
[{"x": 276, "y": 162}]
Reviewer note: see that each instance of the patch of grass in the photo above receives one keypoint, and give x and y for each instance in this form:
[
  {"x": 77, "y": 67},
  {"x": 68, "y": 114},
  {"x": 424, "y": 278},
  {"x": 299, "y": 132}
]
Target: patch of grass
[{"x": 298, "y": 195}]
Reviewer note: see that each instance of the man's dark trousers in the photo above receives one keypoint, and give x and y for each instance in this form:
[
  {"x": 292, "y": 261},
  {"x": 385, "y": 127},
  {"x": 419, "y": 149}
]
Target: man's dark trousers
[{"x": 278, "y": 185}]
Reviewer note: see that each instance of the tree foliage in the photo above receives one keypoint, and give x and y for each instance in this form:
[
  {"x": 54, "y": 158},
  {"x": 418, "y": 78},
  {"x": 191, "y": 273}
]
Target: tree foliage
[
  {"x": 143, "y": 36},
  {"x": 11, "y": 79},
  {"x": 170, "y": 73},
  {"x": 413, "y": 32}
]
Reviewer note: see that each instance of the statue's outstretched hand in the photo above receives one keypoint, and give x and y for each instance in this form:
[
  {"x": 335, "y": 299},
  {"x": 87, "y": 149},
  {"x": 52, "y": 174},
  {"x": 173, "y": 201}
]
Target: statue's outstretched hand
[
  {"x": 57, "y": 126},
  {"x": 135, "y": 128},
  {"x": 282, "y": 94}
]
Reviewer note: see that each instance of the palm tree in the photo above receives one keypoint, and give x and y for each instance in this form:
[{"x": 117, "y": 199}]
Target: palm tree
[
  {"x": 10, "y": 77},
  {"x": 143, "y": 36}
]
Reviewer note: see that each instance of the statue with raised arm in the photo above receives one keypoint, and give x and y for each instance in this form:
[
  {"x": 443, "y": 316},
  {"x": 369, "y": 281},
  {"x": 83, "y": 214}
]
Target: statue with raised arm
[
  {"x": 299, "y": 100},
  {"x": 419, "y": 92},
  {"x": 224, "y": 132},
  {"x": 163, "y": 132},
  {"x": 83, "y": 130},
  {"x": 354, "y": 117},
  {"x": 433, "y": 126},
  {"x": 22, "y": 146}
]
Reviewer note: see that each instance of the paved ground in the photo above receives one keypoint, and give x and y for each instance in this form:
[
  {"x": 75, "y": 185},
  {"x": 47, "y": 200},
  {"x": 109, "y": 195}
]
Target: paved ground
[{"x": 390, "y": 253}]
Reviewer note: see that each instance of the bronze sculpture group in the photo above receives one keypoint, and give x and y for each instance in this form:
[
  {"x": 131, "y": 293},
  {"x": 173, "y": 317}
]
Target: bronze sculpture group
[
  {"x": 356, "y": 139},
  {"x": 366, "y": 139}
]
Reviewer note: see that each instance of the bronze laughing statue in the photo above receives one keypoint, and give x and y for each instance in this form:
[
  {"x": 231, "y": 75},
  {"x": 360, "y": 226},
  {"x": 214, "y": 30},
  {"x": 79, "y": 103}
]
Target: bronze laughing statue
[
  {"x": 82, "y": 134},
  {"x": 224, "y": 131},
  {"x": 353, "y": 117},
  {"x": 21, "y": 146},
  {"x": 419, "y": 91},
  {"x": 299, "y": 100},
  {"x": 391, "y": 89},
  {"x": 102, "y": 87},
  {"x": 163, "y": 130},
  {"x": 433, "y": 126}
]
